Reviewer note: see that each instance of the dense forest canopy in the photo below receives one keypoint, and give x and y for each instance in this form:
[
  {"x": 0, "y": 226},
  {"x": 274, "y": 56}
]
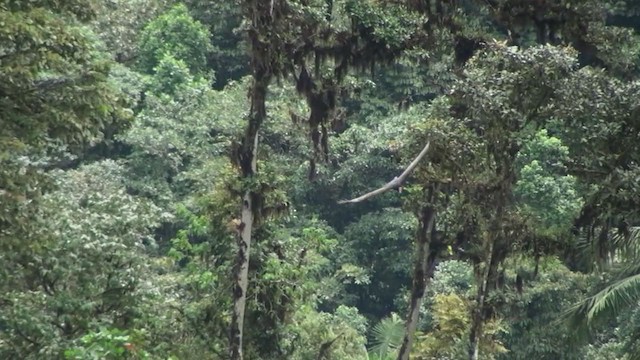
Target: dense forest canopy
[{"x": 320, "y": 179}]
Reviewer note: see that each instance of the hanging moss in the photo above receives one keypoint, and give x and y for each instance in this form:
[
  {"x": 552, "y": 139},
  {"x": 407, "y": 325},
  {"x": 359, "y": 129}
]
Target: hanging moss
[{"x": 378, "y": 34}]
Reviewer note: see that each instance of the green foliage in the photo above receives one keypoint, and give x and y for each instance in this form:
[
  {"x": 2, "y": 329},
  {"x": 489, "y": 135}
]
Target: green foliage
[
  {"x": 55, "y": 97},
  {"x": 349, "y": 273},
  {"x": 451, "y": 323},
  {"x": 177, "y": 141},
  {"x": 170, "y": 75},
  {"x": 544, "y": 190},
  {"x": 176, "y": 34},
  {"x": 54, "y": 80},
  {"x": 451, "y": 319},
  {"x": 131, "y": 84},
  {"x": 535, "y": 313},
  {"x": 537, "y": 191},
  {"x": 106, "y": 344},
  {"x": 228, "y": 57},
  {"x": 88, "y": 270},
  {"x": 595, "y": 113},
  {"x": 117, "y": 242},
  {"x": 606, "y": 351},
  {"x": 338, "y": 335},
  {"x": 387, "y": 337},
  {"x": 386, "y": 25},
  {"x": 385, "y": 242},
  {"x": 118, "y": 23},
  {"x": 191, "y": 322},
  {"x": 621, "y": 291},
  {"x": 291, "y": 278},
  {"x": 452, "y": 277},
  {"x": 77, "y": 8}
]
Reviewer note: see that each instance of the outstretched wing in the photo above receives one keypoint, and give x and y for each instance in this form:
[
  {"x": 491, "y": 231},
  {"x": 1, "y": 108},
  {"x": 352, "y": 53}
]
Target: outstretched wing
[{"x": 395, "y": 183}]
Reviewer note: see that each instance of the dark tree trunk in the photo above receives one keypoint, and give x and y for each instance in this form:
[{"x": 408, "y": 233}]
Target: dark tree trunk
[
  {"x": 422, "y": 267},
  {"x": 486, "y": 275}
]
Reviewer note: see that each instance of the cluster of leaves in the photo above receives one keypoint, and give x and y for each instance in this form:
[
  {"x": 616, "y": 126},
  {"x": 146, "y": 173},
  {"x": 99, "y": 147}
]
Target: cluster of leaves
[
  {"x": 548, "y": 194},
  {"x": 174, "y": 35}
]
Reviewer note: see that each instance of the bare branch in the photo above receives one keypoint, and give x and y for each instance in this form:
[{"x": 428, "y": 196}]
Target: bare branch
[{"x": 393, "y": 184}]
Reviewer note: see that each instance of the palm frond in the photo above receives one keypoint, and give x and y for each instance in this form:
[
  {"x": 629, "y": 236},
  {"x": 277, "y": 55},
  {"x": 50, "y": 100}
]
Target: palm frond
[
  {"x": 387, "y": 336},
  {"x": 627, "y": 242},
  {"x": 587, "y": 250},
  {"x": 619, "y": 244},
  {"x": 623, "y": 291}
]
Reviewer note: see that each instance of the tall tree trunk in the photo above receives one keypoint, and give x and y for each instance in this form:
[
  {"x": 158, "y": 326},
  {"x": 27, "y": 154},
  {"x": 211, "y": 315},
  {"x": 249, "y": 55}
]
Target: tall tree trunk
[
  {"x": 485, "y": 284},
  {"x": 260, "y": 13},
  {"x": 477, "y": 317},
  {"x": 241, "y": 270},
  {"x": 536, "y": 252},
  {"x": 423, "y": 262}
]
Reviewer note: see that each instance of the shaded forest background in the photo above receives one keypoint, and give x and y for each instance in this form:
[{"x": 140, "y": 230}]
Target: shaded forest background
[{"x": 151, "y": 149}]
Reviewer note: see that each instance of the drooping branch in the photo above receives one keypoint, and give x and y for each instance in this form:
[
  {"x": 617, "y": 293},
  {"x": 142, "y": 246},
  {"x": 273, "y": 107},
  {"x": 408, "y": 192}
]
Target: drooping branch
[{"x": 393, "y": 184}]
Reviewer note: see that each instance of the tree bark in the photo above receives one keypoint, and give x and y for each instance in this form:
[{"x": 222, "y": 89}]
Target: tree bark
[
  {"x": 241, "y": 271},
  {"x": 477, "y": 316},
  {"x": 420, "y": 275},
  {"x": 246, "y": 158},
  {"x": 486, "y": 283}
]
